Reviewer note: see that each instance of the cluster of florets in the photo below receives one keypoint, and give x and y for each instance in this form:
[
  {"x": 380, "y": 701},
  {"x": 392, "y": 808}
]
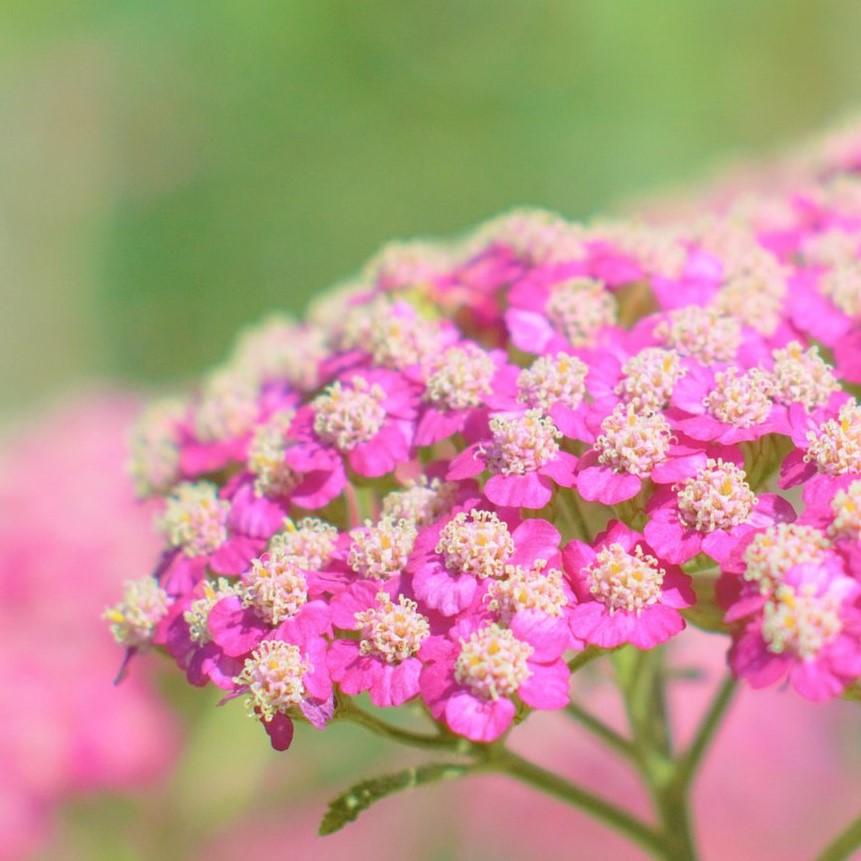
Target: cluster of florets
[{"x": 481, "y": 458}]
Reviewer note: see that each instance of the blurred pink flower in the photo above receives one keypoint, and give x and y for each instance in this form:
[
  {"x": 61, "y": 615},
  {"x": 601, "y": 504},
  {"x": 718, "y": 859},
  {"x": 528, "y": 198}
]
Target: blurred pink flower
[{"x": 70, "y": 532}]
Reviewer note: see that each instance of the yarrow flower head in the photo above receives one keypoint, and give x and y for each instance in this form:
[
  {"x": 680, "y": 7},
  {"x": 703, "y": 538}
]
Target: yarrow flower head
[
  {"x": 421, "y": 501},
  {"x": 348, "y": 414},
  {"x": 463, "y": 418},
  {"x": 276, "y": 587},
  {"x": 493, "y": 663},
  {"x": 633, "y": 441},
  {"x": 774, "y": 551},
  {"x": 532, "y": 588},
  {"x": 274, "y": 679},
  {"x": 197, "y": 615},
  {"x": 393, "y": 632},
  {"x": 134, "y": 619},
  {"x": 802, "y": 377},
  {"x": 717, "y": 497},
  {"x": 705, "y": 334},
  {"x": 580, "y": 309},
  {"x": 836, "y": 447},
  {"x": 227, "y": 408},
  {"x": 846, "y": 509},
  {"x": 477, "y": 543},
  {"x": 740, "y": 400},
  {"x": 461, "y": 378},
  {"x": 309, "y": 543},
  {"x": 194, "y": 518},
  {"x": 266, "y": 457},
  {"x": 522, "y": 443},
  {"x": 649, "y": 377},
  {"x": 154, "y": 458},
  {"x": 381, "y": 550},
  {"x": 553, "y": 380}
]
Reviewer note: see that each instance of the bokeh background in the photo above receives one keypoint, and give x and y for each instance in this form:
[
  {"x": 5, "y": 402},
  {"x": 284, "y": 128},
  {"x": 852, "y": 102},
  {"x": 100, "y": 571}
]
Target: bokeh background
[{"x": 170, "y": 171}]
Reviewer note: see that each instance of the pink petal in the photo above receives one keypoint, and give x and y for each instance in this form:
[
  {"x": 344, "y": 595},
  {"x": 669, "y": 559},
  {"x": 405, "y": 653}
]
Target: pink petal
[
  {"x": 478, "y": 720},
  {"x": 534, "y": 539},
  {"x": 236, "y": 629},
  {"x": 519, "y": 491},
  {"x": 547, "y": 686},
  {"x": 601, "y": 484}
]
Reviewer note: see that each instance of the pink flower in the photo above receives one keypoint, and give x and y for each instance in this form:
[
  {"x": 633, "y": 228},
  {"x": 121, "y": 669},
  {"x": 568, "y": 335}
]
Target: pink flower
[
  {"x": 282, "y": 678},
  {"x": 724, "y": 406},
  {"x": 710, "y": 512},
  {"x": 454, "y": 558},
  {"x": 66, "y": 552},
  {"x": 624, "y": 593},
  {"x": 204, "y": 529},
  {"x": 523, "y": 457},
  {"x": 472, "y": 678},
  {"x": 367, "y": 416},
  {"x": 460, "y": 381},
  {"x": 560, "y": 309},
  {"x": 632, "y": 447},
  {"x": 384, "y": 660},
  {"x": 809, "y": 630}
]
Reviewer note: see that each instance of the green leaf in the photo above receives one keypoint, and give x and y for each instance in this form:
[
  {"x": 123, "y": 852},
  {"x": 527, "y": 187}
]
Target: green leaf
[{"x": 347, "y": 807}]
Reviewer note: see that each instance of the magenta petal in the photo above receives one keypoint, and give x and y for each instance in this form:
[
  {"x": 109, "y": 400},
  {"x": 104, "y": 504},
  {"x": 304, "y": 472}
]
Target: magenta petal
[
  {"x": 549, "y": 636},
  {"x": 236, "y": 629},
  {"x": 519, "y": 491},
  {"x": 592, "y": 622},
  {"x": 744, "y": 606},
  {"x": 562, "y": 469},
  {"x": 672, "y": 541},
  {"x": 436, "y": 425},
  {"x": 447, "y": 593},
  {"x": 601, "y": 484},
  {"x": 356, "y": 598},
  {"x": 280, "y": 731},
  {"x": 847, "y": 353},
  {"x": 655, "y": 625},
  {"x": 794, "y": 470},
  {"x": 353, "y": 671},
  {"x": 679, "y": 468},
  {"x": 534, "y": 539},
  {"x": 529, "y": 330},
  {"x": 750, "y": 659},
  {"x": 254, "y": 516},
  {"x": 467, "y": 464},
  {"x": 394, "y": 685},
  {"x": 235, "y": 555},
  {"x": 547, "y": 686},
  {"x": 182, "y": 573},
  {"x": 815, "y": 681},
  {"x": 317, "y": 489},
  {"x": 478, "y": 720},
  {"x": 318, "y": 714},
  {"x": 311, "y": 622},
  {"x": 770, "y": 509}
]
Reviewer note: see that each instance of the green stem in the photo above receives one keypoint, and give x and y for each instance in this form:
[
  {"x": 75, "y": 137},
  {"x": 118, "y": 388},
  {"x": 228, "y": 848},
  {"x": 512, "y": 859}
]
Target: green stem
[
  {"x": 585, "y": 657},
  {"x": 498, "y": 758},
  {"x": 427, "y": 741},
  {"x": 844, "y": 845},
  {"x": 507, "y": 762},
  {"x": 686, "y": 766},
  {"x": 641, "y": 680},
  {"x": 598, "y": 728}
]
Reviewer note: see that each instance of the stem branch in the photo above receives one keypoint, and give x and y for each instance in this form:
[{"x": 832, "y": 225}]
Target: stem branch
[{"x": 842, "y": 847}]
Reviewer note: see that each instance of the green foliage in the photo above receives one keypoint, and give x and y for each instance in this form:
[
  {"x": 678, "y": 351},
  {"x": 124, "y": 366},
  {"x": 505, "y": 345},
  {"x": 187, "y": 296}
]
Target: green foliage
[{"x": 347, "y": 807}]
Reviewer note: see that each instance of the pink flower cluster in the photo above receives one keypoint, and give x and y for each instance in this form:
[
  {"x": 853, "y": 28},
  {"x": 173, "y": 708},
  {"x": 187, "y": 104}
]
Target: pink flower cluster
[
  {"x": 480, "y": 458},
  {"x": 66, "y": 728}
]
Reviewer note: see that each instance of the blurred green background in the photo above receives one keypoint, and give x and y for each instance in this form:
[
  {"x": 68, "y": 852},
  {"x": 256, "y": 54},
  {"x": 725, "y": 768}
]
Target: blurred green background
[{"x": 170, "y": 171}]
